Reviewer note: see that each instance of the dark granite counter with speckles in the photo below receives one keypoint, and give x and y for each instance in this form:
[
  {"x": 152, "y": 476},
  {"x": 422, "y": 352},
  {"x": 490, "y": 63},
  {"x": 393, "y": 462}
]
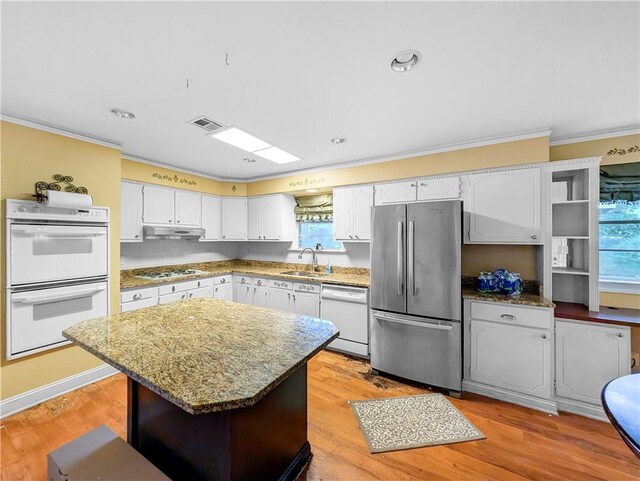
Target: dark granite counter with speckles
[{"x": 205, "y": 355}]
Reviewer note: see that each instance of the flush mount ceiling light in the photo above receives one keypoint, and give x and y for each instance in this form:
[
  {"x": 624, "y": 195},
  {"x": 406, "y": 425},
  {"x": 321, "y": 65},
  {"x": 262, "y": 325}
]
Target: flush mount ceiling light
[
  {"x": 311, "y": 191},
  {"x": 240, "y": 139},
  {"x": 339, "y": 140},
  {"x": 279, "y": 156},
  {"x": 405, "y": 60},
  {"x": 123, "y": 114}
]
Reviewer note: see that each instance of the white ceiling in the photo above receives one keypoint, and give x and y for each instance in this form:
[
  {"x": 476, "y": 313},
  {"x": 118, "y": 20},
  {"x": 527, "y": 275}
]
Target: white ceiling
[{"x": 302, "y": 73}]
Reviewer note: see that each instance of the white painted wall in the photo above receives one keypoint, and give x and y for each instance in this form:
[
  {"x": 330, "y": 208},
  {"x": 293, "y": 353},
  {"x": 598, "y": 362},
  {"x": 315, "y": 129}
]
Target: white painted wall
[{"x": 151, "y": 253}]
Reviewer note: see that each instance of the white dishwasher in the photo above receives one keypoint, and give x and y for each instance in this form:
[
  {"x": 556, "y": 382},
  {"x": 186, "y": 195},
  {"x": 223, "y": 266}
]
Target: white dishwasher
[{"x": 348, "y": 309}]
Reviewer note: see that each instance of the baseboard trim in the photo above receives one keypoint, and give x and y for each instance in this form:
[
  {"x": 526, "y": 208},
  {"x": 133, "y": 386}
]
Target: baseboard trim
[
  {"x": 544, "y": 405},
  {"x": 581, "y": 408},
  {"x": 38, "y": 395}
]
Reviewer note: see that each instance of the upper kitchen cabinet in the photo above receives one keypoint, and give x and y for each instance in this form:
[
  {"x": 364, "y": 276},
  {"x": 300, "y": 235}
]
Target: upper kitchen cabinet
[
  {"x": 271, "y": 218},
  {"x": 159, "y": 205},
  {"x": 234, "y": 218},
  {"x": 211, "y": 214},
  {"x": 352, "y": 213},
  {"x": 131, "y": 212},
  {"x": 418, "y": 190},
  {"x": 396, "y": 192},
  {"x": 187, "y": 208},
  {"x": 503, "y": 207}
]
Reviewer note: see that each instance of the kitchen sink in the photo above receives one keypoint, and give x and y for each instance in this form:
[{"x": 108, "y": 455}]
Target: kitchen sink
[{"x": 304, "y": 273}]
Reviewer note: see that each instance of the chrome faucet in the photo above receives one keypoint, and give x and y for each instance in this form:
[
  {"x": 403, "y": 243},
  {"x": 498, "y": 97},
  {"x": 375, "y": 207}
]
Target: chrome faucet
[{"x": 314, "y": 259}]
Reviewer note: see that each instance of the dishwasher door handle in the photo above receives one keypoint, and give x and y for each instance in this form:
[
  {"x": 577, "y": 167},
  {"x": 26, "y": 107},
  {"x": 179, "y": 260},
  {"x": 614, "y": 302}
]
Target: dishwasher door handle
[{"x": 399, "y": 320}]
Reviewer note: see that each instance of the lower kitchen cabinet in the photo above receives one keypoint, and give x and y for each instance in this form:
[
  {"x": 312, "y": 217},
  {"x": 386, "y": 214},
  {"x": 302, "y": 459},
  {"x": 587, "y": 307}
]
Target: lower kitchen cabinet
[
  {"x": 132, "y": 299},
  {"x": 242, "y": 293},
  {"x": 260, "y": 297},
  {"x": 279, "y": 299},
  {"x": 305, "y": 304},
  {"x": 588, "y": 356},
  {"x": 199, "y": 293},
  {"x": 178, "y": 296}
]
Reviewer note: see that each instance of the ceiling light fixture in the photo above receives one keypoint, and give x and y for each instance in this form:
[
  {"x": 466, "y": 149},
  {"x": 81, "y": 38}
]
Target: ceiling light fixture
[
  {"x": 311, "y": 191},
  {"x": 339, "y": 140},
  {"x": 240, "y": 139},
  {"x": 405, "y": 60},
  {"x": 279, "y": 156},
  {"x": 123, "y": 114}
]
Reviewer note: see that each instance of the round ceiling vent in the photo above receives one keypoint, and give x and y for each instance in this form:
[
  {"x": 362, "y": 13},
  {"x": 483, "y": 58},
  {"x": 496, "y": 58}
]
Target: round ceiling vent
[{"x": 405, "y": 60}]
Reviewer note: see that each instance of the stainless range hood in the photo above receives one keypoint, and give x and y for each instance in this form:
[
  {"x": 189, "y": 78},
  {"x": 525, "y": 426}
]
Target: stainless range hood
[{"x": 172, "y": 232}]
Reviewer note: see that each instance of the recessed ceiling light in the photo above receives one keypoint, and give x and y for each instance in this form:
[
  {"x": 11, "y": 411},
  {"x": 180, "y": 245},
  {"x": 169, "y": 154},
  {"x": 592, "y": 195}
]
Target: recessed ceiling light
[
  {"x": 123, "y": 114},
  {"x": 279, "y": 156},
  {"x": 240, "y": 139},
  {"x": 311, "y": 191},
  {"x": 339, "y": 140},
  {"x": 405, "y": 60},
  {"x": 249, "y": 160}
]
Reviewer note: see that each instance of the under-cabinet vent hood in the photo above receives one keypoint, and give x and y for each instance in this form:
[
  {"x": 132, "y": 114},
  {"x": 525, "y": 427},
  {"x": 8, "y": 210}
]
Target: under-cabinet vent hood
[{"x": 172, "y": 232}]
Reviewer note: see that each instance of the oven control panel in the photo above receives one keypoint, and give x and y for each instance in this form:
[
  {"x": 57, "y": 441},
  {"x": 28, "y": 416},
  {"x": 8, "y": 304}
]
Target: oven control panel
[{"x": 28, "y": 209}]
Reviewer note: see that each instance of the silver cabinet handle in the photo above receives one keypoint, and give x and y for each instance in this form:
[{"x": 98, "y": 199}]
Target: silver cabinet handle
[
  {"x": 259, "y": 283},
  {"x": 216, "y": 289},
  {"x": 400, "y": 270},
  {"x": 198, "y": 283},
  {"x": 137, "y": 296},
  {"x": 191, "y": 294},
  {"x": 173, "y": 288},
  {"x": 350, "y": 237},
  {"x": 534, "y": 236},
  {"x": 543, "y": 336},
  {"x": 177, "y": 221},
  {"x": 357, "y": 237},
  {"x": 294, "y": 297},
  {"x": 422, "y": 184},
  {"x": 410, "y": 261},
  {"x": 427, "y": 325},
  {"x": 508, "y": 316},
  {"x": 413, "y": 185},
  {"x": 289, "y": 295},
  {"x": 223, "y": 280},
  {"x": 620, "y": 334},
  {"x": 183, "y": 296},
  {"x": 137, "y": 236},
  {"x": 170, "y": 221}
]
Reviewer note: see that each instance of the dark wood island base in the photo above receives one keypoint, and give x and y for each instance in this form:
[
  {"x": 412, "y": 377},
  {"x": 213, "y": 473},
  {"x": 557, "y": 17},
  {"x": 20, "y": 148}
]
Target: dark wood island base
[{"x": 265, "y": 441}]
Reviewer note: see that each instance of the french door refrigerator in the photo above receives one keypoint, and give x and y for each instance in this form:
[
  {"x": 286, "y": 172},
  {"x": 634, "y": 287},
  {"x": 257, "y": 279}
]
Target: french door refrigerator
[{"x": 416, "y": 299}]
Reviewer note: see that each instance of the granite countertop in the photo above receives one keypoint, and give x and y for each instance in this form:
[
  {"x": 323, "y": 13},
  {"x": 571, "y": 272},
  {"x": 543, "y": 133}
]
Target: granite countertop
[
  {"x": 348, "y": 276},
  {"x": 205, "y": 355}
]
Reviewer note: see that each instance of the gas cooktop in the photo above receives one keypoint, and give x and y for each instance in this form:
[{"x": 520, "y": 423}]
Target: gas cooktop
[{"x": 172, "y": 274}]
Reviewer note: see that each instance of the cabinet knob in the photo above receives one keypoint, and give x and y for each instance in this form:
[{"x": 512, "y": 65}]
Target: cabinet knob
[
  {"x": 216, "y": 289},
  {"x": 294, "y": 297},
  {"x": 222, "y": 281},
  {"x": 508, "y": 316},
  {"x": 137, "y": 296},
  {"x": 191, "y": 294},
  {"x": 289, "y": 295},
  {"x": 413, "y": 185},
  {"x": 170, "y": 221},
  {"x": 350, "y": 237},
  {"x": 543, "y": 336},
  {"x": 422, "y": 184},
  {"x": 357, "y": 237},
  {"x": 198, "y": 283},
  {"x": 224, "y": 236},
  {"x": 534, "y": 236},
  {"x": 173, "y": 288},
  {"x": 178, "y": 221},
  {"x": 137, "y": 236},
  {"x": 620, "y": 334}
]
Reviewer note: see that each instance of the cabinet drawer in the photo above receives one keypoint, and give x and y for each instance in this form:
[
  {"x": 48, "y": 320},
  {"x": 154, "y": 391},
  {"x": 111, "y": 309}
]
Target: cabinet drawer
[
  {"x": 508, "y": 314},
  {"x": 222, "y": 280},
  {"x": 242, "y": 279},
  {"x": 280, "y": 284},
  {"x": 184, "y": 286},
  {"x": 139, "y": 294},
  {"x": 132, "y": 306},
  {"x": 260, "y": 281},
  {"x": 310, "y": 288}
]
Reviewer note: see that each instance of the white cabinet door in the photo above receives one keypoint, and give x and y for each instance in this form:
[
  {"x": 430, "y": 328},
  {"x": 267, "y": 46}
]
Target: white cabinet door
[
  {"x": 396, "y": 192},
  {"x": 255, "y": 218},
  {"x": 130, "y": 212},
  {"x": 361, "y": 212},
  {"x": 223, "y": 291},
  {"x": 280, "y": 299},
  {"x": 234, "y": 218},
  {"x": 342, "y": 214},
  {"x": 202, "y": 292},
  {"x": 588, "y": 356},
  {"x": 260, "y": 297},
  {"x": 211, "y": 217},
  {"x": 439, "y": 189},
  {"x": 305, "y": 304},
  {"x": 272, "y": 215},
  {"x": 242, "y": 293},
  {"x": 511, "y": 357},
  {"x": 178, "y": 296},
  {"x": 188, "y": 208},
  {"x": 503, "y": 207},
  {"x": 158, "y": 205}
]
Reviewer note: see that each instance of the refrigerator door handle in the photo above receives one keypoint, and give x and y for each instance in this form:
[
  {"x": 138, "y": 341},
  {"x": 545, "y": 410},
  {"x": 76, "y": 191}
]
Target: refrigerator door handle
[
  {"x": 400, "y": 257},
  {"x": 399, "y": 320},
  {"x": 410, "y": 257}
]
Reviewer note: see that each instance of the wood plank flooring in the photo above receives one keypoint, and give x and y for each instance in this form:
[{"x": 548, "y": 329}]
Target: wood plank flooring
[{"x": 521, "y": 443}]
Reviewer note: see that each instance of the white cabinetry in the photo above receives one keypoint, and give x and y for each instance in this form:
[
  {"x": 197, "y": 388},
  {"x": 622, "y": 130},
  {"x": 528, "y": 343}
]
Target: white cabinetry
[
  {"x": 588, "y": 356},
  {"x": 305, "y": 299},
  {"x": 503, "y": 207},
  {"x": 352, "y": 213},
  {"x": 132, "y": 299},
  {"x": 438, "y": 189},
  {"x": 242, "y": 289},
  {"x": 159, "y": 205},
  {"x": 396, "y": 192},
  {"x": 130, "y": 212},
  {"x": 223, "y": 288},
  {"x": 271, "y": 218},
  {"x": 260, "y": 296},
  {"x": 211, "y": 217},
  {"x": 280, "y": 295},
  {"x": 187, "y": 208},
  {"x": 234, "y": 218}
]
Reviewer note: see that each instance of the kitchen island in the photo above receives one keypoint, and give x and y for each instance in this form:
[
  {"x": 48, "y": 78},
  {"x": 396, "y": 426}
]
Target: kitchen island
[{"x": 216, "y": 390}]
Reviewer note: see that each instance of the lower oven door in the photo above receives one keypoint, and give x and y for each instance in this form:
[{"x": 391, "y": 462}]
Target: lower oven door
[
  {"x": 38, "y": 317},
  {"x": 49, "y": 253}
]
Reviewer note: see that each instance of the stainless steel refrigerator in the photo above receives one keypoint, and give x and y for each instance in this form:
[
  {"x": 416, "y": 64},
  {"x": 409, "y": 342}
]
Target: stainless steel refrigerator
[{"x": 416, "y": 292}]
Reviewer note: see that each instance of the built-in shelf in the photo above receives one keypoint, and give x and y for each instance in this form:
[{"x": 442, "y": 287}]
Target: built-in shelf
[{"x": 570, "y": 270}]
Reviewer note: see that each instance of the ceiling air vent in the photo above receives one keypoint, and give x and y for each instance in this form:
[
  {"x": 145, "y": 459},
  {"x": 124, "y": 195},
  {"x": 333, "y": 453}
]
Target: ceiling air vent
[{"x": 206, "y": 124}]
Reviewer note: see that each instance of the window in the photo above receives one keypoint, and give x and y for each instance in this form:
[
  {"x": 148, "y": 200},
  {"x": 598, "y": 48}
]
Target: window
[
  {"x": 310, "y": 234},
  {"x": 619, "y": 217}
]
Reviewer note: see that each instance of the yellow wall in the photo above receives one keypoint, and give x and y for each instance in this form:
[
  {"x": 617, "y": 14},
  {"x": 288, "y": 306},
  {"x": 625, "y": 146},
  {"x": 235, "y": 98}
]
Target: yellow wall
[
  {"x": 29, "y": 155},
  {"x": 496, "y": 155}
]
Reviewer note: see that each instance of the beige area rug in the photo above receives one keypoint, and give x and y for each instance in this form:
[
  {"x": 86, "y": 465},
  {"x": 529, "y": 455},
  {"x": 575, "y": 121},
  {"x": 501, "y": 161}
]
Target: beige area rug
[{"x": 406, "y": 422}]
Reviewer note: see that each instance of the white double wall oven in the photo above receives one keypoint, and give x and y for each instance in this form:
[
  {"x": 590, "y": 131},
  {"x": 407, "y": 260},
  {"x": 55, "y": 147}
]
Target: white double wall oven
[{"x": 57, "y": 272}]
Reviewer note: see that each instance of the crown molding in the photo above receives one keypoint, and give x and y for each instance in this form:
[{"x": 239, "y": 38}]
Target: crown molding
[
  {"x": 60, "y": 131},
  {"x": 596, "y": 135},
  {"x": 532, "y": 134},
  {"x": 142, "y": 160}
]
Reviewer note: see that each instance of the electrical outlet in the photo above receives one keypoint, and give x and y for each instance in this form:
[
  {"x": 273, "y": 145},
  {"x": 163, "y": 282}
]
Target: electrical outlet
[{"x": 282, "y": 254}]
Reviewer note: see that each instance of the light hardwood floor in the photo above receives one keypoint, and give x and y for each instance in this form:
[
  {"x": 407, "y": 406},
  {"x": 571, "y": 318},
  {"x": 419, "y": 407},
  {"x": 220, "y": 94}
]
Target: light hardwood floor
[{"x": 521, "y": 443}]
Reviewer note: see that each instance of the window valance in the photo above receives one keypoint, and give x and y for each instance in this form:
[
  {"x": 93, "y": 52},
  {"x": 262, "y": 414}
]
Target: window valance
[
  {"x": 314, "y": 208},
  {"x": 620, "y": 182}
]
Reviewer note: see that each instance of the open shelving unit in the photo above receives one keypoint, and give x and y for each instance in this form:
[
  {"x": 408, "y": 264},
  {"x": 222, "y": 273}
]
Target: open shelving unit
[{"x": 571, "y": 253}]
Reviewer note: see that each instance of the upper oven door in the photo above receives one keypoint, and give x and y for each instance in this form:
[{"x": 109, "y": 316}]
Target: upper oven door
[{"x": 49, "y": 253}]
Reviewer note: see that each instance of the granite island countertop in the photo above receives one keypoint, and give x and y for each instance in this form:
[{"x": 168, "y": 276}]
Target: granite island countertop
[
  {"x": 205, "y": 355},
  {"x": 347, "y": 276}
]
